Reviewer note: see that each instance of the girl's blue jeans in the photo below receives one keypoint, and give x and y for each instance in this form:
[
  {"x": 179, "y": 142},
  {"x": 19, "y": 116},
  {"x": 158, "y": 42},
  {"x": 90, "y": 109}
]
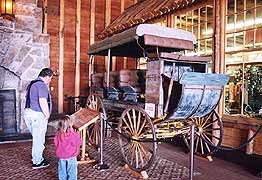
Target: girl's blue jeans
[{"x": 67, "y": 169}]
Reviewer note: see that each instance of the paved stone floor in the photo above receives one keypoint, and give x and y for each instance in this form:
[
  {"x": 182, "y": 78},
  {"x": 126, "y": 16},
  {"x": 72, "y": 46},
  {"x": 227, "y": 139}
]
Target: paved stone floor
[
  {"x": 170, "y": 163},
  {"x": 15, "y": 164}
]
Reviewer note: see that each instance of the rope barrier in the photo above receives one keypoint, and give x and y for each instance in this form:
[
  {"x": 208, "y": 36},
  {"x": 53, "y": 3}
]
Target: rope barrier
[
  {"x": 208, "y": 142},
  {"x": 232, "y": 148}
]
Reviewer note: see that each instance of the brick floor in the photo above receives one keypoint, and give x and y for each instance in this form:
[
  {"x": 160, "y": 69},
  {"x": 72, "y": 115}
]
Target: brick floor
[{"x": 15, "y": 164}]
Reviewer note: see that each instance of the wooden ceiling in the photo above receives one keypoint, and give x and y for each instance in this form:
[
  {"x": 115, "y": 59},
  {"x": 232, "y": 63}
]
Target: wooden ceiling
[{"x": 142, "y": 12}]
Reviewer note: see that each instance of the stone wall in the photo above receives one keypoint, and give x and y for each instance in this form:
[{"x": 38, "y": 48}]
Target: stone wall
[{"x": 24, "y": 51}]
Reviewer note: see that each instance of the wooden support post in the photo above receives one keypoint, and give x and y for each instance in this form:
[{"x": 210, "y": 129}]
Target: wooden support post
[
  {"x": 122, "y": 10},
  {"x": 77, "y": 61},
  {"x": 125, "y": 63},
  {"x": 61, "y": 59},
  {"x": 218, "y": 58},
  {"x": 107, "y": 22},
  {"x": 92, "y": 39},
  {"x": 45, "y": 17},
  {"x": 170, "y": 20},
  {"x": 83, "y": 144},
  {"x": 250, "y": 146},
  {"x": 108, "y": 67},
  {"x": 122, "y": 4},
  {"x": 92, "y": 21},
  {"x": 84, "y": 156},
  {"x": 113, "y": 63},
  {"x": 90, "y": 71},
  {"x": 218, "y": 65}
]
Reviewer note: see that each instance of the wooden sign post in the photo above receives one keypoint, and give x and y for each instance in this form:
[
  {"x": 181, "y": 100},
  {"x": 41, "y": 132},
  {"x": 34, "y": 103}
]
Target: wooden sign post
[{"x": 82, "y": 119}]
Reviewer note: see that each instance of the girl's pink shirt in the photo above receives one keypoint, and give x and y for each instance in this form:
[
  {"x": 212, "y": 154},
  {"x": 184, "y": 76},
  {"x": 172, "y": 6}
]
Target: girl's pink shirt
[{"x": 67, "y": 144}]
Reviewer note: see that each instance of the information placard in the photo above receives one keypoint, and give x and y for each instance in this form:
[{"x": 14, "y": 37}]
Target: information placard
[{"x": 84, "y": 117}]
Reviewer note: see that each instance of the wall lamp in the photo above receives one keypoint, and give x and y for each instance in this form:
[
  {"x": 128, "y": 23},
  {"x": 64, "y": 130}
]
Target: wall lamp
[{"x": 7, "y": 9}]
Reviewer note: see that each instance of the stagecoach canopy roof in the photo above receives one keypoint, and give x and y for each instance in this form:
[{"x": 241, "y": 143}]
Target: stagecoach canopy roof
[{"x": 135, "y": 41}]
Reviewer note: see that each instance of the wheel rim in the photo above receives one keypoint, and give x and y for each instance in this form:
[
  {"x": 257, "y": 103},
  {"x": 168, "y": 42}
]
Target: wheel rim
[
  {"x": 94, "y": 102},
  {"x": 135, "y": 123},
  {"x": 205, "y": 126}
]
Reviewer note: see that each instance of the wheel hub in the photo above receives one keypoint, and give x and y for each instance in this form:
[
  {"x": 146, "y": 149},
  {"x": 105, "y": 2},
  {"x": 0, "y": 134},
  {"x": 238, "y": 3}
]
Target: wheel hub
[
  {"x": 200, "y": 129},
  {"x": 134, "y": 138}
]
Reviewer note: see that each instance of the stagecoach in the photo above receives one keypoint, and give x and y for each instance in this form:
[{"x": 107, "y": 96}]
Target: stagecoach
[{"x": 174, "y": 92}]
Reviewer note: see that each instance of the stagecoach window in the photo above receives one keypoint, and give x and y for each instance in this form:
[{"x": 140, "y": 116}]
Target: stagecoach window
[
  {"x": 141, "y": 63},
  {"x": 244, "y": 58}
]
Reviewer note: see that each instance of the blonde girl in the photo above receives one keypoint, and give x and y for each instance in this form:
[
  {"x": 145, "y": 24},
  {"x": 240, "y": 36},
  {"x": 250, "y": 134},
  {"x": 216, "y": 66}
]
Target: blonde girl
[{"x": 67, "y": 143}]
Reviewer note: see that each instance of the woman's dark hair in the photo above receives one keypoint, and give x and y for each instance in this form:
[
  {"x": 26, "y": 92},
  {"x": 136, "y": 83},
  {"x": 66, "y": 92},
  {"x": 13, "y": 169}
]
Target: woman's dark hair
[{"x": 46, "y": 72}]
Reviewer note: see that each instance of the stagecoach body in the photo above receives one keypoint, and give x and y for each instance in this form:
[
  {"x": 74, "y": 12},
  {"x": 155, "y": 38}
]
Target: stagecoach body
[{"x": 161, "y": 102}]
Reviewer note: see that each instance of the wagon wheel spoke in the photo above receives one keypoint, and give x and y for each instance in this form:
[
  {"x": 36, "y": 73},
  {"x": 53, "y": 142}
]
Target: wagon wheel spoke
[
  {"x": 201, "y": 146},
  {"x": 125, "y": 131},
  {"x": 130, "y": 122},
  {"x": 207, "y": 138},
  {"x": 128, "y": 149},
  {"x": 198, "y": 121},
  {"x": 197, "y": 141},
  {"x": 137, "y": 126},
  {"x": 140, "y": 155},
  {"x": 214, "y": 129},
  {"x": 138, "y": 123},
  {"x": 134, "y": 118},
  {"x": 146, "y": 147},
  {"x": 213, "y": 135},
  {"x": 132, "y": 154},
  {"x": 207, "y": 147},
  {"x": 141, "y": 127},
  {"x": 127, "y": 124},
  {"x": 208, "y": 125},
  {"x": 143, "y": 152},
  {"x": 206, "y": 120},
  {"x": 194, "y": 120},
  {"x": 137, "y": 161}
]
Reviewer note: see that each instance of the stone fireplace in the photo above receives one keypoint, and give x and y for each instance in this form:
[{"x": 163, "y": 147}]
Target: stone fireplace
[{"x": 24, "y": 51}]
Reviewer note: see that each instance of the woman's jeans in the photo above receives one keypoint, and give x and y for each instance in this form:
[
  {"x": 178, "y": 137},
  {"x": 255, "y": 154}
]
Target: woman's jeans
[
  {"x": 67, "y": 169},
  {"x": 37, "y": 125}
]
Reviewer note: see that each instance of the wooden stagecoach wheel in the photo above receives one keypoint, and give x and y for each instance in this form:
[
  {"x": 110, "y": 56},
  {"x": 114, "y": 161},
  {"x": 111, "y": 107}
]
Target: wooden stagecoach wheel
[
  {"x": 210, "y": 128},
  {"x": 136, "y": 124},
  {"x": 93, "y": 131}
]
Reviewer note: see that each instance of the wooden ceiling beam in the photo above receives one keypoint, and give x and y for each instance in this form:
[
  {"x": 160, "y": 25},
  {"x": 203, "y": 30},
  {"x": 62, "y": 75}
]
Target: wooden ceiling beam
[{"x": 145, "y": 11}]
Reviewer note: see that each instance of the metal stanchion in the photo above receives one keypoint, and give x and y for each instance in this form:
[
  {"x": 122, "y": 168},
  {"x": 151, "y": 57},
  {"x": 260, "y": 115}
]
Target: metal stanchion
[
  {"x": 101, "y": 165},
  {"x": 192, "y": 132}
]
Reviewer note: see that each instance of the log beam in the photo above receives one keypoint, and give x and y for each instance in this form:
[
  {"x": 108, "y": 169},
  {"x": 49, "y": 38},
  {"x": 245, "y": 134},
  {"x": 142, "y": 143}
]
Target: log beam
[
  {"x": 61, "y": 58},
  {"x": 218, "y": 65},
  {"x": 122, "y": 10},
  {"x": 77, "y": 58},
  {"x": 107, "y": 22},
  {"x": 92, "y": 21},
  {"x": 92, "y": 39},
  {"x": 45, "y": 17}
]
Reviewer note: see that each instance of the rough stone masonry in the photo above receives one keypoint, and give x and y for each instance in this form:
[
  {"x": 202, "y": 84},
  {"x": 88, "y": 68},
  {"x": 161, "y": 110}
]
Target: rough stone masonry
[{"x": 24, "y": 51}]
